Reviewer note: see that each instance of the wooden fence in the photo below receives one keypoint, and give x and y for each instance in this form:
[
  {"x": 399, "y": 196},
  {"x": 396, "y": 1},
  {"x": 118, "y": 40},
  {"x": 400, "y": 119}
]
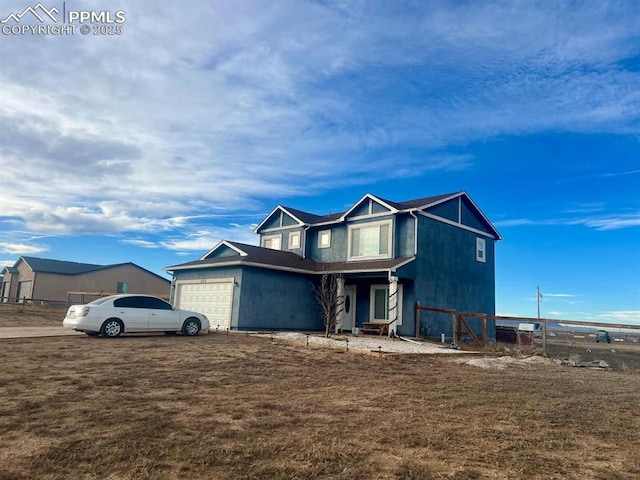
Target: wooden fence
[{"x": 461, "y": 329}]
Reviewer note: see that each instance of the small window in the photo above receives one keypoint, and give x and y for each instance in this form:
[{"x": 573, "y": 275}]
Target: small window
[
  {"x": 481, "y": 250},
  {"x": 324, "y": 239},
  {"x": 122, "y": 287},
  {"x": 272, "y": 241},
  {"x": 294, "y": 240}
]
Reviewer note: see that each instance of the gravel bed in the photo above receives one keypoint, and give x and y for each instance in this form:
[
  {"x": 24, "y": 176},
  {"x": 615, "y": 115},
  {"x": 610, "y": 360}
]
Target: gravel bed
[{"x": 367, "y": 343}]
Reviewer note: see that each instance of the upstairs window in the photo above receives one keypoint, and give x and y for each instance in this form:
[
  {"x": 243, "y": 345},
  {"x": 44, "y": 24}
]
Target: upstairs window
[
  {"x": 324, "y": 239},
  {"x": 272, "y": 241},
  {"x": 370, "y": 241},
  {"x": 294, "y": 240},
  {"x": 481, "y": 250}
]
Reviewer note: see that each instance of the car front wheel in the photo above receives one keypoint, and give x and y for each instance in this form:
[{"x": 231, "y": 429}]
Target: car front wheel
[
  {"x": 112, "y": 328},
  {"x": 191, "y": 327}
]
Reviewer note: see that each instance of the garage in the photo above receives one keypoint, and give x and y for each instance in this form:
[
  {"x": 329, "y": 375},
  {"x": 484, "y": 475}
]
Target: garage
[{"x": 212, "y": 297}]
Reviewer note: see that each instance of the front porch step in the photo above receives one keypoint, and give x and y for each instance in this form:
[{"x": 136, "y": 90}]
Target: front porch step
[{"x": 374, "y": 328}]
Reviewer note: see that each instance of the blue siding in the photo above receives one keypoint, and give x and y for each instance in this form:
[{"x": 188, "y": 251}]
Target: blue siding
[
  {"x": 447, "y": 275},
  {"x": 378, "y": 208},
  {"x": 404, "y": 238},
  {"x": 273, "y": 300},
  {"x": 288, "y": 221},
  {"x": 223, "y": 251},
  {"x": 273, "y": 221},
  {"x": 361, "y": 210},
  {"x": 448, "y": 210},
  {"x": 285, "y": 241},
  {"x": 338, "y": 250},
  {"x": 471, "y": 218}
]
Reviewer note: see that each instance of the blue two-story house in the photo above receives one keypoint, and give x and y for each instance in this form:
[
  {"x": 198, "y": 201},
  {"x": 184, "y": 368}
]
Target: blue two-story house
[{"x": 438, "y": 251}]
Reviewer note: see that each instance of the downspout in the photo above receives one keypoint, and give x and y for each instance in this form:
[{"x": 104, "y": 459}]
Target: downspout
[
  {"x": 415, "y": 233},
  {"x": 304, "y": 240}
]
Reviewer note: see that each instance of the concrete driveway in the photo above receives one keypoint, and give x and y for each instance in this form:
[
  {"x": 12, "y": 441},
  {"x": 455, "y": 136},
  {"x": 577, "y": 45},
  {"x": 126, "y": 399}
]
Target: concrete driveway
[{"x": 28, "y": 332}]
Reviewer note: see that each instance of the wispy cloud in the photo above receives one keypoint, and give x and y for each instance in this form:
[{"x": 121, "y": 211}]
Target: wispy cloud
[
  {"x": 22, "y": 249},
  {"x": 613, "y": 221}
]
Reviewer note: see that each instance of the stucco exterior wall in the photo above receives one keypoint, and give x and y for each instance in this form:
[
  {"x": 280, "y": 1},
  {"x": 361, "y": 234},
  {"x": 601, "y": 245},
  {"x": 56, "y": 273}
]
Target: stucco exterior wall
[
  {"x": 277, "y": 300},
  {"x": 449, "y": 276}
]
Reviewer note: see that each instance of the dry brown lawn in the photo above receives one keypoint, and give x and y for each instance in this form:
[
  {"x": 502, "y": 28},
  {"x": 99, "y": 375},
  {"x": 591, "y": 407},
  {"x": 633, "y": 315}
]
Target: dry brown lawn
[{"x": 236, "y": 407}]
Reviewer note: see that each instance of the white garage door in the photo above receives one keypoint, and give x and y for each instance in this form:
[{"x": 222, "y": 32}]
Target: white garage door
[{"x": 214, "y": 298}]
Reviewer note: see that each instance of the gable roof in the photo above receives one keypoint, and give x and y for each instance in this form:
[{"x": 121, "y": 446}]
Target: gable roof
[
  {"x": 63, "y": 267},
  {"x": 280, "y": 260},
  {"x": 418, "y": 204}
]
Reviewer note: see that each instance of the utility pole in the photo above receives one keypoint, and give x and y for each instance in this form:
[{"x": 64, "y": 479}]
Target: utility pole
[
  {"x": 539, "y": 297},
  {"x": 544, "y": 324}
]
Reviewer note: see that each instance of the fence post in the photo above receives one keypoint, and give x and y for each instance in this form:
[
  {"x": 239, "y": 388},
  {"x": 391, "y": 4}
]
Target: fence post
[
  {"x": 454, "y": 318},
  {"x": 418, "y": 320},
  {"x": 24, "y": 301},
  {"x": 484, "y": 331}
]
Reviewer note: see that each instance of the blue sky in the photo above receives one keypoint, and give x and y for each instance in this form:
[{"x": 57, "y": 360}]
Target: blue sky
[{"x": 153, "y": 145}]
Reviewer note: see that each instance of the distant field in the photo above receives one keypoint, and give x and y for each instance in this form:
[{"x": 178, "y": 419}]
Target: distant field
[{"x": 236, "y": 407}]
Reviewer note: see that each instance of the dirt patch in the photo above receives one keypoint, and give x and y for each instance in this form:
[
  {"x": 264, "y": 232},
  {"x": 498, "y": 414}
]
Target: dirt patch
[
  {"x": 31, "y": 315},
  {"x": 236, "y": 407}
]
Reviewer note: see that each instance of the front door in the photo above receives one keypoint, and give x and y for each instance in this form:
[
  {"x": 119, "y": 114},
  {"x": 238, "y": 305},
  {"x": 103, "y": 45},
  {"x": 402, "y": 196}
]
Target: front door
[{"x": 349, "y": 308}]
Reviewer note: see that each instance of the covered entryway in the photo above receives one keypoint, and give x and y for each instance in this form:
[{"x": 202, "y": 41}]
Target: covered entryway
[{"x": 212, "y": 297}]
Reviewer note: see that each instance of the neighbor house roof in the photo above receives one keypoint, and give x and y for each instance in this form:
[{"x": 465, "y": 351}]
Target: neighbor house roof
[
  {"x": 60, "y": 267},
  {"x": 63, "y": 267},
  {"x": 251, "y": 255}
]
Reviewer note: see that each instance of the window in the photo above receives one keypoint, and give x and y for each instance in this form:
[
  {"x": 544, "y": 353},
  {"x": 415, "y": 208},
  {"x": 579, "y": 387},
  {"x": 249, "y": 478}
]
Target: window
[
  {"x": 122, "y": 287},
  {"x": 294, "y": 240},
  {"x": 481, "y": 250},
  {"x": 130, "y": 302},
  {"x": 370, "y": 241},
  {"x": 379, "y": 307},
  {"x": 324, "y": 239},
  {"x": 272, "y": 241},
  {"x": 380, "y": 303}
]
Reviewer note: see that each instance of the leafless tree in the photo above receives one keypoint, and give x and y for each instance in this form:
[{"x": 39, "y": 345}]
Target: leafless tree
[{"x": 329, "y": 299}]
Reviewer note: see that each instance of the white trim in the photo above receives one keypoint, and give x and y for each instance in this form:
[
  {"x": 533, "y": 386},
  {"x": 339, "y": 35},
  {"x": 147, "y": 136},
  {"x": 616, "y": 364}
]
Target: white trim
[
  {"x": 289, "y": 240},
  {"x": 238, "y": 263},
  {"x": 282, "y": 209},
  {"x": 352, "y": 227},
  {"x": 279, "y": 229},
  {"x": 400, "y": 299},
  {"x": 459, "y": 225},
  {"x": 320, "y": 232},
  {"x": 371, "y": 215},
  {"x": 370, "y": 197},
  {"x": 206, "y": 280},
  {"x": 271, "y": 237},
  {"x": 392, "y": 211},
  {"x": 226, "y": 244}
]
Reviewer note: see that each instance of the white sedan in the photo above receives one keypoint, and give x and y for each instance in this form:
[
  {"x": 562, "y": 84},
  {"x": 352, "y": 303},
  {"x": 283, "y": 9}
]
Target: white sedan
[{"x": 117, "y": 314}]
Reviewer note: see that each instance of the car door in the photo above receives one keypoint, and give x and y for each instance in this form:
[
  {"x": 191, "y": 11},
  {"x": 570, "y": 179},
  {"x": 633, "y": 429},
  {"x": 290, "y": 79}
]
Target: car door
[
  {"x": 133, "y": 312},
  {"x": 162, "y": 316}
]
